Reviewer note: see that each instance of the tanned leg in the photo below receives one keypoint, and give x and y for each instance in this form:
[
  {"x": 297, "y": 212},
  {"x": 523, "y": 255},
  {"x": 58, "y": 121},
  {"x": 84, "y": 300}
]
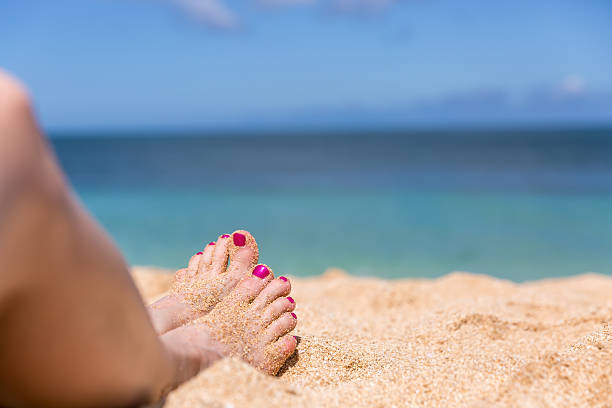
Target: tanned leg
[{"x": 73, "y": 329}]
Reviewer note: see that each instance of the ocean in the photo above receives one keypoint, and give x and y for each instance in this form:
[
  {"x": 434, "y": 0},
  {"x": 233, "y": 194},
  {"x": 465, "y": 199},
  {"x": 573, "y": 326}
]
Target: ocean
[{"x": 515, "y": 204}]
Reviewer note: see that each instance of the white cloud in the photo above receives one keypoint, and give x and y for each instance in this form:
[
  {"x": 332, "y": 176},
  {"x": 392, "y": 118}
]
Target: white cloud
[
  {"x": 284, "y": 3},
  {"x": 212, "y": 13},
  {"x": 573, "y": 84},
  {"x": 216, "y": 14},
  {"x": 340, "y": 6},
  {"x": 360, "y": 6}
]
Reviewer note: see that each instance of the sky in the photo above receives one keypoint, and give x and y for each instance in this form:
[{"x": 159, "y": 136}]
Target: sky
[{"x": 129, "y": 64}]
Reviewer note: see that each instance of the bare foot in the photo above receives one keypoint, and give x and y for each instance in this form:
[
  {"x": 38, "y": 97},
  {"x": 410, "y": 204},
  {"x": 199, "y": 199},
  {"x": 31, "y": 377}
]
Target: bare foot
[
  {"x": 252, "y": 322},
  {"x": 207, "y": 280}
]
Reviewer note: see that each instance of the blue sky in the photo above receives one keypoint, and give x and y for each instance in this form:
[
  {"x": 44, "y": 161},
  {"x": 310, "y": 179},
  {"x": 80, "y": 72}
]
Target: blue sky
[{"x": 96, "y": 64}]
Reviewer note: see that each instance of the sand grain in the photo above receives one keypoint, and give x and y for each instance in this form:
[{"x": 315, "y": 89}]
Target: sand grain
[{"x": 461, "y": 340}]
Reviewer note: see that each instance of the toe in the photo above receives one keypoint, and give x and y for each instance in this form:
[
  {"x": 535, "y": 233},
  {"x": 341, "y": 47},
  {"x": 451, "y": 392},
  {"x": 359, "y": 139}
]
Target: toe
[
  {"x": 243, "y": 254},
  {"x": 194, "y": 263},
  {"x": 279, "y": 327},
  {"x": 206, "y": 257},
  {"x": 250, "y": 287},
  {"x": 182, "y": 275},
  {"x": 279, "y": 287},
  {"x": 286, "y": 344},
  {"x": 277, "y": 308},
  {"x": 279, "y": 352},
  {"x": 220, "y": 254}
]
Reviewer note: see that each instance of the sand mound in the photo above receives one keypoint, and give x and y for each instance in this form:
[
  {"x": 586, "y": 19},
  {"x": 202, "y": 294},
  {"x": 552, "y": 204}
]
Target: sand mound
[{"x": 461, "y": 340}]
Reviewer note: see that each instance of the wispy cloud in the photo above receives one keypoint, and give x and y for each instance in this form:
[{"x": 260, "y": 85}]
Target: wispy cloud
[
  {"x": 287, "y": 3},
  {"x": 360, "y": 6},
  {"x": 573, "y": 84},
  {"x": 345, "y": 6},
  {"x": 217, "y": 14},
  {"x": 212, "y": 13},
  {"x": 563, "y": 102}
]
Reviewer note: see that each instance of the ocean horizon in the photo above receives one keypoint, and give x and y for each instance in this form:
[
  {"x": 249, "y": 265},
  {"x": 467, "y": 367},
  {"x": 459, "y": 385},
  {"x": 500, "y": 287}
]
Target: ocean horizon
[{"x": 515, "y": 204}]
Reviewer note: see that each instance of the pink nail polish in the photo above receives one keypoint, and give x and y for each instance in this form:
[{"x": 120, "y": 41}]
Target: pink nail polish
[
  {"x": 283, "y": 278},
  {"x": 294, "y": 315},
  {"x": 225, "y": 236},
  {"x": 290, "y": 299},
  {"x": 261, "y": 271},
  {"x": 211, "y": 243},
  {"x": 295, "y": 337},
  {"x": 200, "y": 253},
  {"x": 239, "y": 239}
]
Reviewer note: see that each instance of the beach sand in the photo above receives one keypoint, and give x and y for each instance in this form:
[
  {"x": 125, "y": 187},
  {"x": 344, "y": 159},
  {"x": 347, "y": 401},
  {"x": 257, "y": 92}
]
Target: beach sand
[{"x": 460, "y": 340}]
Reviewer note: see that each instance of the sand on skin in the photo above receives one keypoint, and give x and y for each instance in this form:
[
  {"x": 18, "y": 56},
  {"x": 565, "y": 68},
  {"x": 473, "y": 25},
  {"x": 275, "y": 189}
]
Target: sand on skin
[{"x": 461, "y": 340}]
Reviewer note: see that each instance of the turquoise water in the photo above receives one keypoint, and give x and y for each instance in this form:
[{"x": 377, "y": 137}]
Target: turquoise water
[{"x": 389, "y": 206}]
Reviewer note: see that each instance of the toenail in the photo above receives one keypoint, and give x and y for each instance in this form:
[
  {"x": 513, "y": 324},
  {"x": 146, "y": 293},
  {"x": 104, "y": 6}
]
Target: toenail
[
  {"x": 211, "y": 243},
  {"x": 200, "y": 253},
  {"x": 294, "y": 315},
  {"x": 261, "y": 271},
  {"x": 290, "y": 299},
  {"x": 295, "y": 337},
  {"x": 239, "y": 239},
  {"x": 225, "y": 236},
  {"x": 283, "y": 278}
]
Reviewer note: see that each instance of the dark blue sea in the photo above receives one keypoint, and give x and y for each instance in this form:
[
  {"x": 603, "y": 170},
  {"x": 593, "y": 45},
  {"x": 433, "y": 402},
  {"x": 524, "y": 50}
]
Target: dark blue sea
[{"x": 516, "y": 204}]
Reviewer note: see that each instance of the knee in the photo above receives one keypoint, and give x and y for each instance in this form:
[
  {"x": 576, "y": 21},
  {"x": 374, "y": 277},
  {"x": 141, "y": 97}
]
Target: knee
[
  {"x": 14, "y": 100},
  {"x": 20, "y": 141},
  {"x": 18, "y": 128}
]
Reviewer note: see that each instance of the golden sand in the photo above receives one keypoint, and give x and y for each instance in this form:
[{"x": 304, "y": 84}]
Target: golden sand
[{"x": 461, "y": 340}]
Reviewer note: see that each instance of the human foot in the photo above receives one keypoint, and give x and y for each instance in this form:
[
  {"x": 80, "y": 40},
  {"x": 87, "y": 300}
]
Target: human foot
[
  {"x": 208, "y": 279},
  {"x": 252, "y": 322}
]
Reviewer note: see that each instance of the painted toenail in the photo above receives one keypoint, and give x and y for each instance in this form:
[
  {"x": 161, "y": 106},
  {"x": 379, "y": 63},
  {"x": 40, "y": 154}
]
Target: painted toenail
[
  {"x": 211, "y": 243},
  {"x": 200, "y": 253},
  {"x": 294, "y": 315},
  {"x": 290, "y": 299},
  {"x": 239, "y": 239},
  {"x": 295, "y": 337},
  {"x": 283, "y": 278},
  {"x": 225, "y": 236},
  {"x": 261, "y": 271}
]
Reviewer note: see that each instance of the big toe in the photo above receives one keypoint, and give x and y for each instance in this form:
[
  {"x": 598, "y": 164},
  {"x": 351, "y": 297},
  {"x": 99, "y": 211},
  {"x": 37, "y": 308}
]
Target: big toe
[
  {"x": 243, "y": 254},
  {"x": 250, "y": 287}
]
